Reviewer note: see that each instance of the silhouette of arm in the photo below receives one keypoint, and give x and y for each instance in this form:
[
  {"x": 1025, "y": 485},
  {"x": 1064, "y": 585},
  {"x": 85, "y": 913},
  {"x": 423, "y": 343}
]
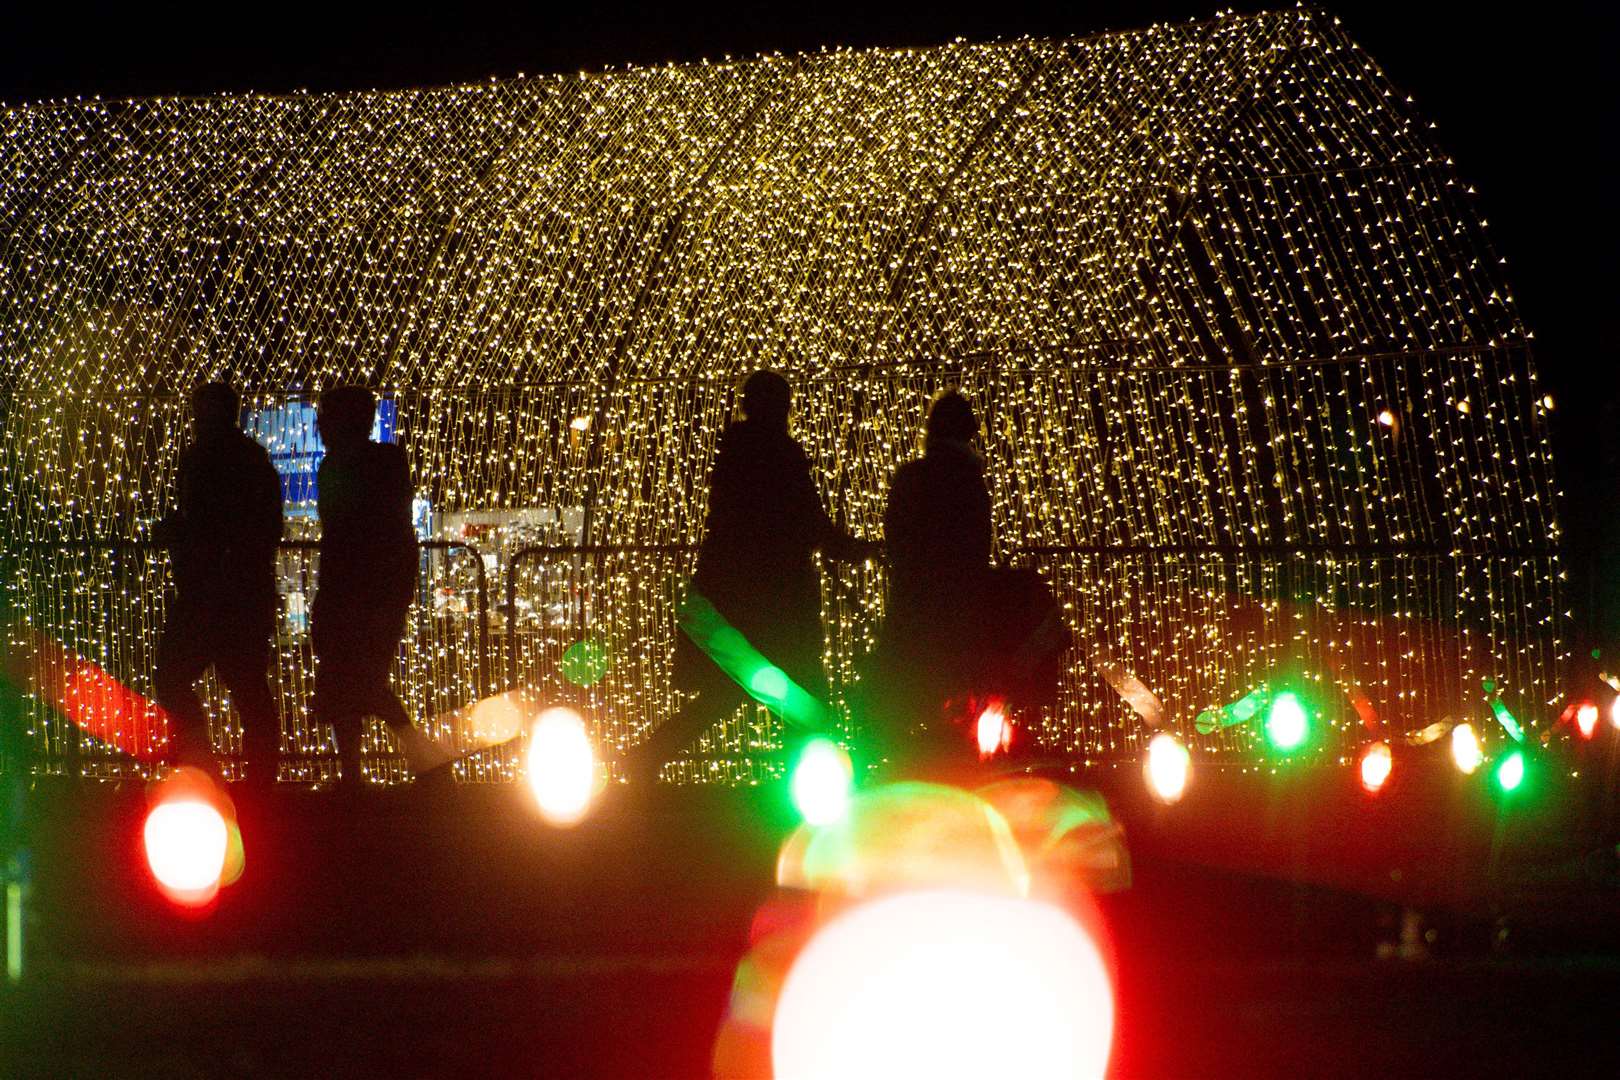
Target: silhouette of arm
[
  {"x": 397, "y": 508},
  {"x": 900, "y": 520},
  {"x": 978, "y": 532},
  {"x": 825, "y": 535},
  {"x": 172, "y": 529},
  {"x": 268, "y": 514}
]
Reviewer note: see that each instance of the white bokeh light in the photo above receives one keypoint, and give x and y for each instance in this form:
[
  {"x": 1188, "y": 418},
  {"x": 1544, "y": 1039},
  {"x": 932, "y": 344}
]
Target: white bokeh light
[{"x": 946, "y": 983}]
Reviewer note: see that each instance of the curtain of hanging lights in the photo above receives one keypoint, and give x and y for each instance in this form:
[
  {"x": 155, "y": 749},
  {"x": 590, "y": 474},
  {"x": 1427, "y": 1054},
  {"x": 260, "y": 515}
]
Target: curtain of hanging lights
[{"x": 1256, "y": 394}]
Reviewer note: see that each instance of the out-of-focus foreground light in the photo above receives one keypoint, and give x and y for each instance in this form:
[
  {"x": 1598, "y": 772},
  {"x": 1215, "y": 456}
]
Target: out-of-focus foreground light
[
  {"x": 1510, "y": 772},
  {"x": 768, "y": 682},
  {"x": 1614, "y": 712},
  {"x": 1509, "y": 722},
  {"x": 1465, "y": 748},
  {"x": 946, "y": 983},
  {"x": 821, "y": 782},
  {"x": 1286, "y": 724},
  {"x": 1586, "y": 718},
  {"x": 994, "y": 733},
  {"x": 1377, "y": 762},
  {"x": 495, "y": 719},
  {"x": 186, "y": 840},
  {"x": 561, "y": 766},
  {"x": 1167, "y": 767}
]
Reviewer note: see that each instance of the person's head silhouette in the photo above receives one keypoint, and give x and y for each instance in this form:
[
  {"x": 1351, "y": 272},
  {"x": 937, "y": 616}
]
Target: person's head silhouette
[
  {"x": 767, "y": 399},
  {"x": 215, "y": 408},
  {"x": 345, "y": 416},
  {"x": 951, "y": 419}
]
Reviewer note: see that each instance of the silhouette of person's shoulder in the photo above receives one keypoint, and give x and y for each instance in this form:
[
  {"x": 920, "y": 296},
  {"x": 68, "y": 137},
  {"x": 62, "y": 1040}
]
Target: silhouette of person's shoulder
[
  {"x": 742, "y": 439},
  {"x": 386, "y": 452},
  {"x": 390, "y": 470},
  {"x": 220, "y": 466},
  {"x": 751, "y": 455},
  {"x": 909, "y": 482},
  {"x": 909, "y": 472}
]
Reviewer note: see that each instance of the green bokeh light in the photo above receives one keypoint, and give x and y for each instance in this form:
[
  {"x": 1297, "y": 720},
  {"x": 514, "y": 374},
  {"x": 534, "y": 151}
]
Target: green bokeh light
[
  {"x": 1240, "y": 711},
  {"x": 1509, "y": 722},
  {"x": 748, "y": 668},
  {"x": 822, "y": 781},
  {"x": 769, "y": 684},
  {"x": 1287, "y": 725},
  {"x": 585, "y": 662},
  {"x": 1510, "y": 771}
]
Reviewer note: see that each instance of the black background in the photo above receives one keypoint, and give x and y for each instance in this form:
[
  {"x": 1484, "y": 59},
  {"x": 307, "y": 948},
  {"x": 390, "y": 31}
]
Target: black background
[{"x": 1523, "y": 95}]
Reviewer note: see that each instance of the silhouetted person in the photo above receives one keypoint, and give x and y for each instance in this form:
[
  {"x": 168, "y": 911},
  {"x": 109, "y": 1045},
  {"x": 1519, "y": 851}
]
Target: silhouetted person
[
  {"x": 937, "y": 530},
  {"x": 367, "y": 577},
  {"x": 222, "y": 548},
  {"x": 754, "y": 565}
]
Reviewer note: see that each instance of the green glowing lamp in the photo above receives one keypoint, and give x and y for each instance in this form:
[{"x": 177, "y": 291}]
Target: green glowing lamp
[
  {"x": 1510, "y": 772},
  {"x": 1287, "y": 725},
  {"x": 823, "y": 779}
]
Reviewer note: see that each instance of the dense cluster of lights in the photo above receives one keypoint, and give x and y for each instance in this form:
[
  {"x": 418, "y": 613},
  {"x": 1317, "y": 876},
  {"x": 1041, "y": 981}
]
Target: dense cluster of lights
[{"x": 1255, "y": 391}]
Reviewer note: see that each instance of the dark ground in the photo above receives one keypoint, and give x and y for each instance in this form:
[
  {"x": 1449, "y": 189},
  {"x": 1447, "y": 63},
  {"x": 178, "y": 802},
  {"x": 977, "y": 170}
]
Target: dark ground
[{"x": 409, "y": 934}]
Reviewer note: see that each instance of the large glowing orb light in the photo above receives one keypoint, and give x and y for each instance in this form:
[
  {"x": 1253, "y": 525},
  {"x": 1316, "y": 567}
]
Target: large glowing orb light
[
  {"x": 993, "y": 732},
  {"x": 1466, "y": 751},
  {"x": 1377, "y": 762},
  {"x": 1167, "y": 767},
  {"x": 186, "y": 841},
  {"x": 561, "y": 766},
  {"x": 1286, "y": 723},
  {"x": 946, "y": 983},
  {"x": 1510, "y": 773},
  {"x": 822, "y": 782}
]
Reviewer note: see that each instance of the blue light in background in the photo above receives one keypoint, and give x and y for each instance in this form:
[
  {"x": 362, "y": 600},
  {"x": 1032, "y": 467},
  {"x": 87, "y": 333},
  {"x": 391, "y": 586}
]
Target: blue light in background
[{"x": 289, "y": 433}]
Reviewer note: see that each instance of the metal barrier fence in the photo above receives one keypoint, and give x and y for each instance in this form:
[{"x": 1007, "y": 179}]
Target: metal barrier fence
[
  {"x": 1383, "y": 637},
  {"x": 105, "y": 602},
  {"x": 1388, "y": 636}
]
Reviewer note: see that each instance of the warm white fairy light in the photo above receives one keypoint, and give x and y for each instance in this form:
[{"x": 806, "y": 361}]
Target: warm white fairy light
[{"x": 1187, "y": 272}]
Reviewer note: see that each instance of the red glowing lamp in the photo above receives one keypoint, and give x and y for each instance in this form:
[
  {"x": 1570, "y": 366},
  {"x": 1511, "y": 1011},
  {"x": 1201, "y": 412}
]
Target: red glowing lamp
[{"x": 1377, "y": 762}]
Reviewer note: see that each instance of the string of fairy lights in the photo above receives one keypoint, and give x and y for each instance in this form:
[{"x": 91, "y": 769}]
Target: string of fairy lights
[{"x": 1256, "y": 392}]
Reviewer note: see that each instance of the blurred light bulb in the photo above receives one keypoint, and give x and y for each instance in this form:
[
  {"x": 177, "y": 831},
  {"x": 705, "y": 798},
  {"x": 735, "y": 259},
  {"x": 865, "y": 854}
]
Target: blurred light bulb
[
  {"x": 1465, "y": 748},
  {"x": 186, "y": 841},
  {"x": 1510, "y": 773},
  {"x": 994, "y": 733},
  {"x": 561, "y": 766},
  {"x": 821, "y": 782},
  {"x": 946, "y": 983},
  {"x": 1286, "y": 723},
  {"x": 1168, "y": 767},
  {"x": 1377, "y": 762}
]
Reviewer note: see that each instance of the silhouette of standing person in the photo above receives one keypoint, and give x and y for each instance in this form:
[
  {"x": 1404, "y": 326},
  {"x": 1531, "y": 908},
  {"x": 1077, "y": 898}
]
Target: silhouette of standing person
[
  {"x": 754, "y": 565},
  {"x": 367, "y": 578},
  {"x": 938, "y": 533},
  {"x": 222, "y": 548}
]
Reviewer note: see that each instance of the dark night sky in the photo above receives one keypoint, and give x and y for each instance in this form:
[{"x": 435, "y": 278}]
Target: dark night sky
[{"x": 1526, "y": 105}]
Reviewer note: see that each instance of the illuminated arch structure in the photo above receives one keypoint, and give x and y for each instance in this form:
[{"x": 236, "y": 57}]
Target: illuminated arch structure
[{"x": 1258, "y": 397}]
